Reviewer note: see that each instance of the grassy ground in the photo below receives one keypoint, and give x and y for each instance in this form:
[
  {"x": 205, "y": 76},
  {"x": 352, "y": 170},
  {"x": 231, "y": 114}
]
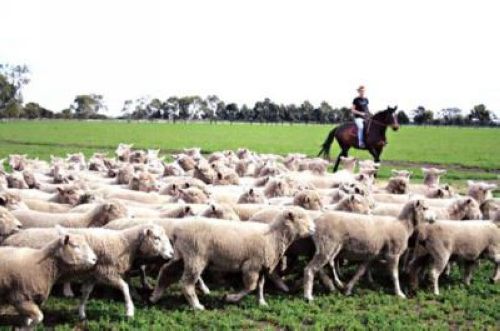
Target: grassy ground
[{"x": 468, "y": 153}]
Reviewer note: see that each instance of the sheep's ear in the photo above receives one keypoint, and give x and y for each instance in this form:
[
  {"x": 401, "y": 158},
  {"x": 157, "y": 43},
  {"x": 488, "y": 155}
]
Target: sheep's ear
[
  {"x": 219, "y": 176},
  {"x": 251, "y": 192},
  {"x": 352, "y": 198},
  {"x": 60, "y": 190},
  {"x": 306, "y": 199},
  {"x": 470, "y": 183},
  {"x": 425, "y": 170},
  {"x": 394, "y": 171},
  {"x": 187, "y": 209},
  {"x": 174, "y": 187},
  {"x": 3, "y": 200},
  {"x": 148, "y": 232},
  {"x": 213, "y": 208},
  {"x": 290, "y": 216},
  {"x": 279, "y": 185},
  {"x": 418, "y": 203},
  {"x": 468, "y": 201},
  {"x": 442, "y": 171}
]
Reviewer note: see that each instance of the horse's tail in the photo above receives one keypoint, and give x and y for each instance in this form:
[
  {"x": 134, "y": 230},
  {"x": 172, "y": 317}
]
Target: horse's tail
[{"x": 327, "y": 144}]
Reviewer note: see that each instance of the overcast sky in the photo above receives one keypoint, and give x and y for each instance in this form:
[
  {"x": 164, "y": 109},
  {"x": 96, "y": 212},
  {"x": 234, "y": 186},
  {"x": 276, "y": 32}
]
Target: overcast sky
[{"x": 431, "y": 53}]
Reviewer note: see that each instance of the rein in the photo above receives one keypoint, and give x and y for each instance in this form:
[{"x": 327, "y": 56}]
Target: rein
[{"x": 372, "y": 120}]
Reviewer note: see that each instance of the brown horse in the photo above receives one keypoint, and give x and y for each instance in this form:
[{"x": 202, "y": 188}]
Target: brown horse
[{"x": 374, "y": 132}]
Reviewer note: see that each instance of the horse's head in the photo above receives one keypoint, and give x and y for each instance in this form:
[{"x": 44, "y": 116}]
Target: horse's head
[{"x": 388, "y": 117}]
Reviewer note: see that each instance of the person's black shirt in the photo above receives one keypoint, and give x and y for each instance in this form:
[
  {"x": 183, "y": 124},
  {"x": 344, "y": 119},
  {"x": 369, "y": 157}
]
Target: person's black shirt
[{"x": 360, "y": 104}]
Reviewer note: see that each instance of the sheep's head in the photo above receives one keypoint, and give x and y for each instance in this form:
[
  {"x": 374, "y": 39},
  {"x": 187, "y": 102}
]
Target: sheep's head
[
  {"x": 194, "y": 152},
  {"x": 398, "y": 185},
  {"x": 318, "y": 166},
  {"x": 220, "y": 211},
  {"x": 348, "y": 163},
  {"x": 74, "y": 250},
  {"x": 69, "y": 195},
  {"x": 172, "y": 169},
  {"x": 261, "y": 181},
  {"x": 123, "y": 151},
  {"x": 143, "y": 182},
  {"x": 354, "y": 203},
  {"x": 405, "y": 174},
  {"x": 489, "y": 207},
  {"x": 12, "y": 201},
  {"x": 193, "y": 195},
  {"x": 17, "y": 162},
  {"x": 480, "y": 191},
  {"x": 252, "y": 196},
  {"x": 16, "y": 180},
  {"x": 297, "y": 222},
  {"x": 229, "y": 177},
  {"x": 204, "y": 172},
  {"x": 465, "y": 209},
  {"x": 125, "y": 174},
  {"x": 277, "y": 188},
  {"x": 179, "y": 212},
  {"x": 30, "y": 180},
  {"x": 432, "y": 175},
  {"x": 242, "y": 167},
  {"x": 154, "y": 242},
  {"x": 416, "y": 212},
  {"x": 186, "y": 162},
  {"x": 107, "y": 212},
  {"x": 308, "y": 199},
  {"x": 8, "y": 224}
]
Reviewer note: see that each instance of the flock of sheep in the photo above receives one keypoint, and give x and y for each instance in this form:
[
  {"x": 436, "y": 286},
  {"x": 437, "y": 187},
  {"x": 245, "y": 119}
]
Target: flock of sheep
[{"x": 104, "y": 220}]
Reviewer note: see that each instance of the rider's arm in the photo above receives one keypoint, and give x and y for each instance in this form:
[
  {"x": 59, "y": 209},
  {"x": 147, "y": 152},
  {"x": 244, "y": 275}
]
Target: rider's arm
[{"x": 354, "y": 111}]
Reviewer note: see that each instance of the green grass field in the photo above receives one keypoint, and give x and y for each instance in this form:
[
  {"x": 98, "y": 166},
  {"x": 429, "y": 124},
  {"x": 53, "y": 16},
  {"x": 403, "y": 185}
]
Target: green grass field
[{"x": 469, "y": 153}]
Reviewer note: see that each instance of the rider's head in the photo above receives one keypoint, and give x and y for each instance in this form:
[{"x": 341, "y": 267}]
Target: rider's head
[{"x": 361, "y": 91}]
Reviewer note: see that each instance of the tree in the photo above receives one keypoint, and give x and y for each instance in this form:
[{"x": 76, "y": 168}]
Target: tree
[
  {"x": 306, "y": 110},
  {"x": 12, "y": 79},
  {"x": 422, "y": 115},
  {"x": 403, "y": 118},
  {"x": 33, "y": 110},
  {"x": 480, "y": 114},
  {"x": 88, "y": 105}
]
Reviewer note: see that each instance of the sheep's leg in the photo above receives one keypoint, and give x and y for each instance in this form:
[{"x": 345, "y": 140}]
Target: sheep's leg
[
  {"x": 496, "y": 276},
  {"x": 67, "y": 290},
  {"x": 250, "y": 280},
  {"x": 119, "y": 283},
  {"x": 167, "y": 275},
  {"x": 87, "y": 288},
  {"x": 31, "y": 311},
  {"x": 359, "y": 273},
  {"x": 260, "y": 292},
  {"x": 438, "y": 265},
  {"x": 202, "y": 286},
  {"x": 393, "y": 266},
  {"x": 334, "y": 264},
  {"x": 317, "y": 262},
  {"x": 190, "y": 276},
  {"x": 369, "y": 277},
  {"x": 325, "y": 279},
  {"x": 144, "y": 278},
  {"x": 278, "y": 282},
  {"x": 468, "y": 269}
]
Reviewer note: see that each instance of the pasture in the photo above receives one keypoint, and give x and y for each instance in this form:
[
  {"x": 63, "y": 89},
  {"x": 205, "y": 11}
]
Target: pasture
[{"x": 469, "y": 153}]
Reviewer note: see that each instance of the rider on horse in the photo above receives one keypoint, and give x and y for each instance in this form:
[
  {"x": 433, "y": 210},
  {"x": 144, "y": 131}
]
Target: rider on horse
[{"x": 361, "y": 112}]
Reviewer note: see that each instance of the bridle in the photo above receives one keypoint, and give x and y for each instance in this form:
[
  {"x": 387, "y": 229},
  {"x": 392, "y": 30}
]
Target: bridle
[{"x": 372, "y": 120}]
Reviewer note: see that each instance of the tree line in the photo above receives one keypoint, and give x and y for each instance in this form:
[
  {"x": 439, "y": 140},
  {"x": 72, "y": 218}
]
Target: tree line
[{"x": 211, "y": 108}]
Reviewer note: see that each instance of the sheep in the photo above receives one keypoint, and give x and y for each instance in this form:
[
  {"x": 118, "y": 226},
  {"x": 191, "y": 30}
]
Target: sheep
[
  {"x": 276, "y": 188},
  {"x": 16, "y": 180},
  {"x": 353, "y": 203},
  {"x": 405, "y": 174},
  {"x": 226, "y": 177},
  {"x": 192, "y": 195},
  {"x": 480, "y": 191},
  {"x": 12, "y": 201},
  {"x": 205, "y": 173},
  {"x": 398, "y": 185},
  {"x": 256, "y": 252},
  {"x": 468, "y": 240},
  {"x": 186, "y": 162},
  {"x": 252, "y": 196},
  {"x": 97, "y": 217},
  {"x": 220, "y": 211},
  {"x": 8, "y": 224},
  {"x": 432, "y": 176},
  {"x": 66, "y": 195},
  {"x": 364, "y": 238},
  {"x": 172, "y": 169},
  {"x": 439, "y": 192},
  {"x": 488, "y": 208},
  {"x": 18, "y": 162},
  {"x": 308, "y": 199},
  {"x": 116, "y": 253},
  {"x": 143, "y": 182},
  {"x": 27, "y": 288},
  {"x": 459, "y": 209},
  {"x": 348, "y": 163}
]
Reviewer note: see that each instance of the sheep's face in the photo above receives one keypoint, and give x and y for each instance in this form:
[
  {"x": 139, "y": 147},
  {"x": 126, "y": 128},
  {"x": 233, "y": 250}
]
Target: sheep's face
[
  {"x": 230, "y": 178},
  {"x": 277, "y": 188},
  {"x": 16, "y": 180},
  {"x": 30, "y": 180},
  {"x": 143, "y": 182},
  {"x": 125, "y": 174},
  {"x": 193, "y": 195},
  {"x": 398, "y": 185},
  {"x": 480, "y": 191},
  {"x": 220, "y": 212},
  {"x": 261, "y": 181},
  {"x": 69, "y": 195},
  {"x": 405, "y": 174},
  {"x": 348, "y": 163},
  {"x": 465, "y": 209},
  {"x": 74, "y": 250},
  {"x": 489, "y": 207},
  {"x": 297, "y": 221},
  {"x": 108, "y": 212},
  {"x": 308, "y": 199},
  {"x": 172, "y": 169},
  {"x": 12, "y": 201},
  {"x": 205, "y": 173},
  {"x": 318, "y": 166},
  {"x": 17, "y": 162},
  {"x": 419, "y": 212},
  {"x": 137, "y": 157},
  {"x": 186, "y": 162},
  {"x": 179, "y": 212},
  {"x": 123, "y": 151},
  {"x": 8, "y": 223},
  {"x": 432, "y": 176},
  {"x": 154, "y": 242},
  {"x": 357, "y": 204},
  {"x": 252, "y": 196},
  {"x": 242, "y": 167},
  {"x": 194, "y": 152}
]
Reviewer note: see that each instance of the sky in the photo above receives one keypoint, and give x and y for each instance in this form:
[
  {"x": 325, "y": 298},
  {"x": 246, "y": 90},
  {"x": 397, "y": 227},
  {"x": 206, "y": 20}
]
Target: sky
[{"x": 437, "y": 54}]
